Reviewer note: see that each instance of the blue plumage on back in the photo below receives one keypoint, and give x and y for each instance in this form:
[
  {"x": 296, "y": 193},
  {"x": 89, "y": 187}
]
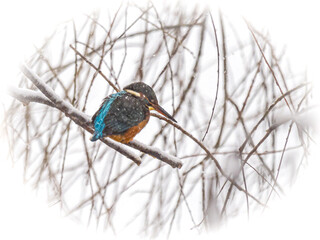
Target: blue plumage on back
[
  {"x": 99, "y": 117},
  {"x": 123, "y": 115}
]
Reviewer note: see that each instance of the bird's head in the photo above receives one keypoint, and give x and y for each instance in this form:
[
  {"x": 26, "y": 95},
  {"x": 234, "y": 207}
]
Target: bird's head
[{"x": 146, "y": 93}]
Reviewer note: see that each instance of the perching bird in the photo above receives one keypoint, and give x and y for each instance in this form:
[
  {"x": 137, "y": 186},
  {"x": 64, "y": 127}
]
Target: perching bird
[{"x": 123, "y": 115}]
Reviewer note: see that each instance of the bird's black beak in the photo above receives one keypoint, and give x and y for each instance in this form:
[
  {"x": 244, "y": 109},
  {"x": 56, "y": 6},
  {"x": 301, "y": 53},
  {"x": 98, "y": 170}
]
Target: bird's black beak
[{"x": 159, "y": 109}]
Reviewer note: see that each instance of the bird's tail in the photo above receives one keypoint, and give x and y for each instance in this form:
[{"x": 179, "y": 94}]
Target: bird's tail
[{"x": 95, "y": 137}]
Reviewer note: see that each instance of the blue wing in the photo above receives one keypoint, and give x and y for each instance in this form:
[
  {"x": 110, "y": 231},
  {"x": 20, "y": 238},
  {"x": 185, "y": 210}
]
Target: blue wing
[
  {"x": 99, "y": 116},
  {"x": 118, "y": 113}
]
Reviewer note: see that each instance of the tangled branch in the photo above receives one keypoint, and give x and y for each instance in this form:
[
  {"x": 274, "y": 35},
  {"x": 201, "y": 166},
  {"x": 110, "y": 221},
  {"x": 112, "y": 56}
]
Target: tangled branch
[{"x": 238, "y": 144}]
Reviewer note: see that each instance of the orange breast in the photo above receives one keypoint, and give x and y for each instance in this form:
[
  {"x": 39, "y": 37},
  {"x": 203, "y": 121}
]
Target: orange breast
[{"x": 130, "y": 133}]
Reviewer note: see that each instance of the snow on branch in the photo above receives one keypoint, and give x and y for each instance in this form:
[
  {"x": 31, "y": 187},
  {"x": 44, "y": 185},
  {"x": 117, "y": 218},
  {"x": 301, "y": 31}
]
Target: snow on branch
[
  {"x": 26, "y": 96},
  {"x": 242, "y": 138},
  {"x": 50, "y": 98}
]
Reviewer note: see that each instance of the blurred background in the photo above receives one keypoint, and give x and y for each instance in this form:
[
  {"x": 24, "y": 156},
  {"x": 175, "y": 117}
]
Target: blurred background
[{"x": 288, "y": 25}]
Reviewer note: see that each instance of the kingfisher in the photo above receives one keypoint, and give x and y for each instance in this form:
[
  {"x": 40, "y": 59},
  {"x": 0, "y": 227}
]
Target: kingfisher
[{"x": 124, "y": 114}]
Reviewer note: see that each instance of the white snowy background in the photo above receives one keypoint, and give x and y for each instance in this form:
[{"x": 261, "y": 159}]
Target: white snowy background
[{"x": 25, "y": 215}]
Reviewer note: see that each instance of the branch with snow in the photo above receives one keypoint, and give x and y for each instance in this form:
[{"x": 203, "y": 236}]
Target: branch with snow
[
  {"x": 157, "y": 153},
  {"x": 26, "y": 96},
  {"x": 50, "y": 98}
]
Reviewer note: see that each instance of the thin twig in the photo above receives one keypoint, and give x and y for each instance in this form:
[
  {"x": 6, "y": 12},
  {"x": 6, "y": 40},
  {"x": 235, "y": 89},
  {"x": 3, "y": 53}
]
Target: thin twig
[{"x": 218, "y": 79}]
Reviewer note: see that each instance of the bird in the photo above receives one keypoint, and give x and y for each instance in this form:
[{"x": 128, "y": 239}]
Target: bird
[{"x": 124, "y": 114}]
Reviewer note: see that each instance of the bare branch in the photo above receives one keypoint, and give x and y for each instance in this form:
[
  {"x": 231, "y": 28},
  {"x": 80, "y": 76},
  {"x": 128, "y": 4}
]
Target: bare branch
[
  {"x": 85, "y": 122},
  {"x": 233, "y": 146}
]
